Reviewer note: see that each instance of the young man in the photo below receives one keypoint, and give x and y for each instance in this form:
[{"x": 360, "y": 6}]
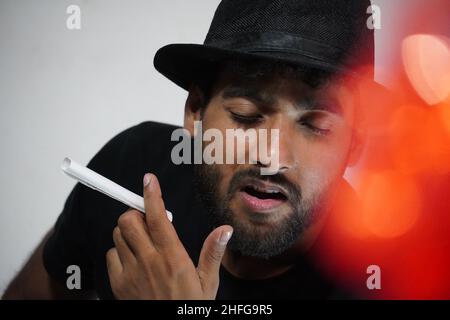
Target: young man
[{"x": 274, "y": 65}]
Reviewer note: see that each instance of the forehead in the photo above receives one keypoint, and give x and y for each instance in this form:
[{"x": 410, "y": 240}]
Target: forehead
[{"x": 265, "y": 84}]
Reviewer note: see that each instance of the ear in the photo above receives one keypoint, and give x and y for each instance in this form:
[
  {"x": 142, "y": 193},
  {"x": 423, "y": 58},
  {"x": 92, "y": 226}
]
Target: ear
[
  {"x": 356, "y": 147},
  {"x": 193, "y": 108},
  {"x": 359, "y": 130}
]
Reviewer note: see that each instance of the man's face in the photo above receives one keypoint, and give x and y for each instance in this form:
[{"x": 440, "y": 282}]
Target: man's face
[{"x": 270, "y": 212}]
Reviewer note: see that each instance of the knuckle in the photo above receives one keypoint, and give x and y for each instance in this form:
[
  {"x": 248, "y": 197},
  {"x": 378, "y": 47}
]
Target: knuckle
[
  {"x": 214, "y": 255},
  {"x": 128, "y": 219},
  {"x": 172, "y": 268},
  {"x": 109, "y": 256},
  {"x": 177, "y": 263},
  {"x": 148, "y": 259},
  {"x": 110, "y": 253},
  {"x": 147, "y": 263},
  {"x": 116, "y": 234}
]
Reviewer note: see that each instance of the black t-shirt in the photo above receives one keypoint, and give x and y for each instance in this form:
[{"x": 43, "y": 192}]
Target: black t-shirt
[{"x": 83, "y": 232}]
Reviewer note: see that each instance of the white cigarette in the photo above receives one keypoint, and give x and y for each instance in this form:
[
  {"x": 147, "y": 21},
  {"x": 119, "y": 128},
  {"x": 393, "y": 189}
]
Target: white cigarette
[{"x": 97, "y": 182}]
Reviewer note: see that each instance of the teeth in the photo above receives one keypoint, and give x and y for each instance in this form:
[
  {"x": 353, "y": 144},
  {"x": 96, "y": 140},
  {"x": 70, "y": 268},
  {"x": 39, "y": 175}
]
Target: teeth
[{"x": 267, "y": 190}]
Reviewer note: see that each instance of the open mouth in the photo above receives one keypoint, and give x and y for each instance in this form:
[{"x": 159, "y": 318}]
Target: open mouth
[
  {"x": 262, "y": 197},
  {"x": 269, "y": 194}
]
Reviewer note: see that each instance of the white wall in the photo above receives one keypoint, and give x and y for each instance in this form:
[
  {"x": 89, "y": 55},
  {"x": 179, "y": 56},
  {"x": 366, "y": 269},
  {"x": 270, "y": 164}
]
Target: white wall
[{"x": 65, "y": 93}]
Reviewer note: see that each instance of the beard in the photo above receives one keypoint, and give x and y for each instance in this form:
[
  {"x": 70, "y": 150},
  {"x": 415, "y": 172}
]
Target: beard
[{"x": 260, "y": 237}]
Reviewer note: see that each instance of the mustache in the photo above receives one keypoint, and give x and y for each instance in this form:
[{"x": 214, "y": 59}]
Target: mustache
[{"x": 294, "y": 192}]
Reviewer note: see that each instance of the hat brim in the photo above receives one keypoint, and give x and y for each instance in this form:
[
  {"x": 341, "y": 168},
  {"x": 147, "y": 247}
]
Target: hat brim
[{"x": 184, "y": 63}]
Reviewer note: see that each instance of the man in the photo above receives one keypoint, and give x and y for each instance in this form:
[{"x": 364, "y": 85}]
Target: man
[{"x": 265, "y": 64}]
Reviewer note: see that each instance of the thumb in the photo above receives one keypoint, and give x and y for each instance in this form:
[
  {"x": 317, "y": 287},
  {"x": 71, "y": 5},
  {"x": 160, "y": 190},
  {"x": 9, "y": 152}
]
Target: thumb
[{"x": 211, "y": 257}]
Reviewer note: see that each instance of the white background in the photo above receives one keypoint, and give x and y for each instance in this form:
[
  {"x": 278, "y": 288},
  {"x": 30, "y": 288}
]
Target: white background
[{"x": 66, "y": 93}]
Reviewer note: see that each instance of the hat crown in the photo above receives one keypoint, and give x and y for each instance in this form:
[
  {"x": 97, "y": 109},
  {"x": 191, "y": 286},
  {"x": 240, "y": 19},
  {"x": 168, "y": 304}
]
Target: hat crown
[
  {"x": 339, "y": 24},
  {"x": 327, "y": 35}
]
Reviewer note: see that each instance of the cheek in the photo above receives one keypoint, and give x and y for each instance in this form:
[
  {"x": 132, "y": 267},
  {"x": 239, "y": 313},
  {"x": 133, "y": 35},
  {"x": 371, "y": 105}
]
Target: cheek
[
  {"x": 331, "y": 158},
  {"x": 330, "y": 153},
  {"x": 226, "y": 174},
  {"x": 216, "y": 118},
  {"x": 322, "y": 164}
]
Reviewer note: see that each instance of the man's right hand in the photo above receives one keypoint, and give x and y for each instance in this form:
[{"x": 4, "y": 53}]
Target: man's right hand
[{"x": 150, "y": 262}]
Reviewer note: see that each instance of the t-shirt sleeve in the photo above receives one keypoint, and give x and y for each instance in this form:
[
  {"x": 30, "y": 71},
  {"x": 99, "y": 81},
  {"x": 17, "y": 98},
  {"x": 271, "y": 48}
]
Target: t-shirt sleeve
[{"x": 73, "y": 237}]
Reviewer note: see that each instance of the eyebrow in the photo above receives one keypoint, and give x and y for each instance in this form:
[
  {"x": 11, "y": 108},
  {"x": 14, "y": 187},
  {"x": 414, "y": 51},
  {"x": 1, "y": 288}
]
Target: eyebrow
[
  {"x": 267, "y": 102},
  {"x": 249, "y": 93}
]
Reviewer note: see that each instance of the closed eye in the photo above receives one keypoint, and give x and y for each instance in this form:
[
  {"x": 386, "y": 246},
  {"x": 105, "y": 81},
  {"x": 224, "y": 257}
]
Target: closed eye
[
  {"x": 317, "y": 123},
  {"x": 246, "y": 119},
  {"x": 316, "y": 130}
]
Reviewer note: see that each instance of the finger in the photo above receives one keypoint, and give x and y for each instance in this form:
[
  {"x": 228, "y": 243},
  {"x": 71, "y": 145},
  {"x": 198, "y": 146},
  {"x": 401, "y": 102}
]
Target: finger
[
  {"x": 211, "y": 257},
  {"x": 161, "y": 230},
  {"x": 113, "y": 263},
  {"x": 134, "y": 232},
  {"x": 126, "y": 256}
]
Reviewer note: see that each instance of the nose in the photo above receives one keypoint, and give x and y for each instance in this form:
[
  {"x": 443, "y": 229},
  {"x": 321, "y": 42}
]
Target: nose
[{"x": 281, "y": 150}]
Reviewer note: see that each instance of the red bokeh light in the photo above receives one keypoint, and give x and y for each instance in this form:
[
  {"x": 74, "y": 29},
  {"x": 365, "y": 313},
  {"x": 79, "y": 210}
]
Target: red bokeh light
[{"x": 402, "y": 220}]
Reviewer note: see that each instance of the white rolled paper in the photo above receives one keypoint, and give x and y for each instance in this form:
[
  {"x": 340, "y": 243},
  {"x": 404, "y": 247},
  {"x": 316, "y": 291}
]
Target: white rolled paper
[{"x": 97, "y": 182}]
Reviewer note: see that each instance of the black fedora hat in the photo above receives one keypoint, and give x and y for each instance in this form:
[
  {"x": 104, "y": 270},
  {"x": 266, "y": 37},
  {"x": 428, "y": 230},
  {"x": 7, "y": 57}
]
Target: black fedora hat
[{"x": 319, "y": 34}]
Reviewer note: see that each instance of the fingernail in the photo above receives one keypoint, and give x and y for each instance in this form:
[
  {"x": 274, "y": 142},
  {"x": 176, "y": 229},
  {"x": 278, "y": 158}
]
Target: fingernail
[
  {"x": 225, "y": 237},
  {"x": 147, "y": 179}
]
